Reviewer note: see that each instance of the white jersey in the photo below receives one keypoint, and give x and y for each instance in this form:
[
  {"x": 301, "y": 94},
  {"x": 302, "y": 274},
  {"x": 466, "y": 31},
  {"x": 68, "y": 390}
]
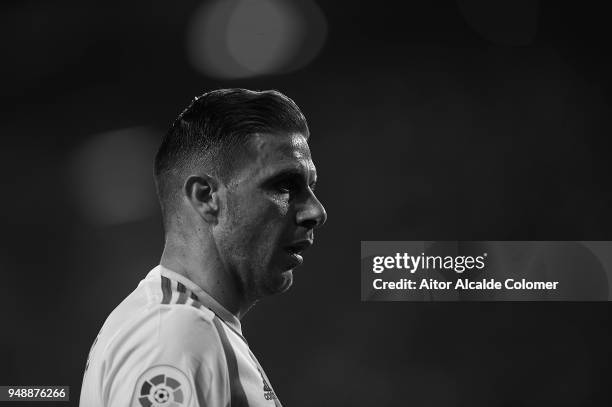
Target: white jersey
[{"x": 170, "y": 344}]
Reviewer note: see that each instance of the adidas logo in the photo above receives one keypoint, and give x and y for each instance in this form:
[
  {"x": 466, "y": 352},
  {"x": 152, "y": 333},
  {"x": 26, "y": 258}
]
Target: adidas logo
[
  {"x": 268, "y": 392},
  {"x": 270, "y": 395}
]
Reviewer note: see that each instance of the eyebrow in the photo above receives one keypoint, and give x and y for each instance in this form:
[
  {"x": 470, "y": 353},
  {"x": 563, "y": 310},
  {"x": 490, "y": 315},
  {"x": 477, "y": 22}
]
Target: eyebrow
[{"x": 291, "y": 172}]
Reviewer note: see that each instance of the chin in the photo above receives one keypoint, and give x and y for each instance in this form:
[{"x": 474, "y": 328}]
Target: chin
[{"x": 282, "y": 283}]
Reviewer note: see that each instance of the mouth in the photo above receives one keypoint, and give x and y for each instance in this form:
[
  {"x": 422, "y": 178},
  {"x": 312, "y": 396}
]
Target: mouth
[
  {"x": 295, "y": 251},
  {"x": 295, "y": 260}
]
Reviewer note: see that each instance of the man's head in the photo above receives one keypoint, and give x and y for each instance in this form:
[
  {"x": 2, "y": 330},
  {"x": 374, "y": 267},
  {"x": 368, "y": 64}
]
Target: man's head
[{"x": 235, "y": 171}]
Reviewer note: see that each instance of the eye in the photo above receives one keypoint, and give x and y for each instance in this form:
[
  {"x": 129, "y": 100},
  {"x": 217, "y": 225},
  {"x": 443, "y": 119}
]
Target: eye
[{"x": 287, "y": 186}]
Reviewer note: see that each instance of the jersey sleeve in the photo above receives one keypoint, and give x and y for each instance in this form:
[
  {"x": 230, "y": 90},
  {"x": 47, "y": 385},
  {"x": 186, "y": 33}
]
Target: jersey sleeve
[{"x": 173, "y": 357}]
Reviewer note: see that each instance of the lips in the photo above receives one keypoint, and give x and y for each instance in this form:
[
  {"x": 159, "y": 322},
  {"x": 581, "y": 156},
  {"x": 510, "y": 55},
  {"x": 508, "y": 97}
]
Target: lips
[
  {"x": 299, "y": 246},
  {"x": 295, "y": 251}
]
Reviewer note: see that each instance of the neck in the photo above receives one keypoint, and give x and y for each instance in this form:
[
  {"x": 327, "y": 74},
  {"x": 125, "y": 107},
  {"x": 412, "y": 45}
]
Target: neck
[{"x": 201, "y": 264}]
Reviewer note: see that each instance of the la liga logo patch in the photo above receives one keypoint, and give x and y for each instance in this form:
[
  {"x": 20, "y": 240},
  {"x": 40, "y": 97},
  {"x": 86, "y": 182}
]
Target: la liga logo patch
[{"x": 162, "y": 386}]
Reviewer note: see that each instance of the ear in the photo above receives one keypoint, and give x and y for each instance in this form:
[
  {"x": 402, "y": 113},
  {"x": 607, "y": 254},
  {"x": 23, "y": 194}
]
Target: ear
[{"x": 202, "y": 193}]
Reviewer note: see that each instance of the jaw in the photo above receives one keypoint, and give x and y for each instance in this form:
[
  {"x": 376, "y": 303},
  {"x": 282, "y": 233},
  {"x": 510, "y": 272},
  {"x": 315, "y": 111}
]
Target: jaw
[{"x": 275, "y": 283}]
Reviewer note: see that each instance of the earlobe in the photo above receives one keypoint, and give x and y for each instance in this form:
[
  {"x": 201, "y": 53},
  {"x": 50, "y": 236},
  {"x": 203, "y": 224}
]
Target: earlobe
[{"x": 201, "y": 191}]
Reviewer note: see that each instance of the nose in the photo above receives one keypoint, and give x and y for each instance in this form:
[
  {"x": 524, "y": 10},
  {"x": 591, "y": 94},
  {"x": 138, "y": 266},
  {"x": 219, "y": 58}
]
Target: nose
[{"x": 312, "y": 214}]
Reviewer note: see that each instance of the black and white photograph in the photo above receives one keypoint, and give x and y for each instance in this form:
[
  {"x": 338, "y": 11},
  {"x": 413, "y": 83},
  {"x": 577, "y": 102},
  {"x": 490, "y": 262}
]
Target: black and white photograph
[{"x": 295, "y": 203}]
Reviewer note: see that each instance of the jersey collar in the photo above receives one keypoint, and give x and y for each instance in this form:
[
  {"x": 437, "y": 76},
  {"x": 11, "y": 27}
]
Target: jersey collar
[{"x": 203, "y": 297}]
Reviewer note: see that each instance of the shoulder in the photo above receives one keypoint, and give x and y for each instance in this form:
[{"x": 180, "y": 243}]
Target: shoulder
[
  {"x": 150, "y": 318},
  {"x": 189, "y": 328},
  {"x": 172, "y": 347},
  {"x": 177, "y": 328},
  {"x": 165, "y": 338},
  {"x": 164, "y": 333}
]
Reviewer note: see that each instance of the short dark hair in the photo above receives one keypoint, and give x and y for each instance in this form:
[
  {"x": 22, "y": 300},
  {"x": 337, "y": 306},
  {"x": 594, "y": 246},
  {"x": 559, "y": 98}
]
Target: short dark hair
[{"x": 214, "y": 127}]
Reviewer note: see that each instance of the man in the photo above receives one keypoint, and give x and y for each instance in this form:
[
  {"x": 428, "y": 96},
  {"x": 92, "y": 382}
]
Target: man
[{"x": 235, "y": 180}]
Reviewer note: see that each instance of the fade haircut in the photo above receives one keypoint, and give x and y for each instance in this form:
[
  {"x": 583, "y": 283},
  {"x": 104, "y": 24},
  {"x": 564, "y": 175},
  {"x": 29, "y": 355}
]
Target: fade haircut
[{"x": 213, "y": 129}]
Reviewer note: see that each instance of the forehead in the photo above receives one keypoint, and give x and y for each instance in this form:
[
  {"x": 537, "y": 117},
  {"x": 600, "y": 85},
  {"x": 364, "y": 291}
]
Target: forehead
[{"x": 272, "y": 153}]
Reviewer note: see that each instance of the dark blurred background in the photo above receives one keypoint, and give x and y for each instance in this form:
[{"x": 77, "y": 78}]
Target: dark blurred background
[{"x": 430, "y": 121}]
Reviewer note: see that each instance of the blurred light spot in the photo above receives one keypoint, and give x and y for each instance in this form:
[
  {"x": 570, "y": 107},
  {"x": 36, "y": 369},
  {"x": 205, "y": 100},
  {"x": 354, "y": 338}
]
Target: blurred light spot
[
  {"x": 507, "y": 22},
  {"x": 260, "y": 35},
  {"x": 244, "y": 38},
  {"x": 113, "y": 176}
]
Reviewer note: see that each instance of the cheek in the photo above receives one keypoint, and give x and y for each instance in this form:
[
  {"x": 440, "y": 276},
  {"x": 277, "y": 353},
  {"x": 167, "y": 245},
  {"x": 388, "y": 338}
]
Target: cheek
[
  {"x": 279, "y": 206},
  {"x": 268, "y": 229},
  {"x": 269, "y": 217},
  {"x": 257, "y": 217}
]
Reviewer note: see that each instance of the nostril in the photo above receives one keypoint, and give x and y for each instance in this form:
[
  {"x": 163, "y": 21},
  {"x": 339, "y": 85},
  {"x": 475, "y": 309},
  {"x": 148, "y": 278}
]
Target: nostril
[{"x": 309, "y": 223}]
